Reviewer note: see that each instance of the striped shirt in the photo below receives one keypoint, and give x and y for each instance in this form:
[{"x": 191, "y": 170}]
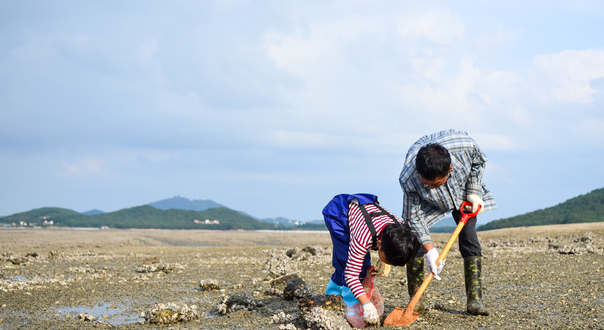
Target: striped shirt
[
  {"x": 422, "y": 206},
  {"x": 360, "y": 243}
]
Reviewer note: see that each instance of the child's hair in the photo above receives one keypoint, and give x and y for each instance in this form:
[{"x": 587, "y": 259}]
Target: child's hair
[{"x": 399, "y": 244}]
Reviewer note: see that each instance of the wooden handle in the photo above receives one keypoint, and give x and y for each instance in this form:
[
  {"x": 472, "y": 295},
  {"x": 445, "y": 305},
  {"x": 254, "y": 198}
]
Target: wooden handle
[{"x": 428, "y": 278}]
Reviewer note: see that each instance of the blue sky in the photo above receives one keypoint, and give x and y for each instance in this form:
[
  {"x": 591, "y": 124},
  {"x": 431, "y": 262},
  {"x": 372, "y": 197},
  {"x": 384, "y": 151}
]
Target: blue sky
[{"x": 274, "y": 107}]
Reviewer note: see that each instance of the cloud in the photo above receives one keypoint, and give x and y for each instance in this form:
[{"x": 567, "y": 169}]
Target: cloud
[
  {"x": 83, "y": 168},
  {"x": 437, "y": 26},
  {"x": 571, "y": 73}
]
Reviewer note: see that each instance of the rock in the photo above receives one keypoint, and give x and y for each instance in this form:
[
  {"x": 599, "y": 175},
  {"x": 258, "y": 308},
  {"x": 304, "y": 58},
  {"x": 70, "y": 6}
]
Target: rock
[
  {"x": 13, "y": 258},
  {"x": 56, "y": 255},
  {"x": 222, "y": 309},
  {"x": 32, "y": 254},
  {"x": 161, "y": 267},
  {"x": 311, "y": 250},
  {"x": 282, "y": 318},
  {"x": 151, "y": 261},
  {"x": 281, "y": 282},
  {"x": 236, "y": 303},
  {"x": 292, "y": 252},
  {"x": 297, "y": 289},
  {"x": 209, "y": 285},
  {"x": 279, "y": 264},
  {"x": 273, "y": 292},
  {"x": 85, "y": 317},
  {"x": 170, "y": 313},
  {"x": 321, "y": 319},
  {"x": 327, "y": 302}
]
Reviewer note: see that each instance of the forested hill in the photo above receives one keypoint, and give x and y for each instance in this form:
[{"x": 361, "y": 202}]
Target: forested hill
[
  {"x": 583, "y": 208},
  {"x": 143, "y": 217}
]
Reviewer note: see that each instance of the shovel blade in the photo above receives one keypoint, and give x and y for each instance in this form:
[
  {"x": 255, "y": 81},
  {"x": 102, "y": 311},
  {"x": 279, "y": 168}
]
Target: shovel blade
[{"x": 400, "y": 316}]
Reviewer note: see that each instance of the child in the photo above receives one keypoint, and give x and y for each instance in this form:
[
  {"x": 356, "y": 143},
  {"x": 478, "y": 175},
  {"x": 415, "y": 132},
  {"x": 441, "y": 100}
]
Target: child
[{"x": 358, "y": 224}]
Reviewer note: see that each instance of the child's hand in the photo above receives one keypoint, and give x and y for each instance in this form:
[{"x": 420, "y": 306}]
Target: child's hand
[
  {"x": 381, "y": 269},
  {"x": 370, "y": 314}
]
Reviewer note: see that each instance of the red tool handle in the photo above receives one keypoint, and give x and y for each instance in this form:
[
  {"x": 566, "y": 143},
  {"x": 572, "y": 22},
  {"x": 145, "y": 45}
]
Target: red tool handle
[{"x": 466, "y": 216}]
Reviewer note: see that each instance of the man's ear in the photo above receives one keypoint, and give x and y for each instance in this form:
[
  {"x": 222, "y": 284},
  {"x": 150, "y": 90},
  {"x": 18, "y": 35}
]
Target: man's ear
[
  {"x": 450, "y": 168},
  {"x": 379, "y": 243}
]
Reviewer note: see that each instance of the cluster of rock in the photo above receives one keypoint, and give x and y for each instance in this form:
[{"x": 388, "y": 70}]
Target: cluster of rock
[
  {"x": 29, "y": 284},
  {"x": 579, "y": 244},
  {"x": 283, "y": 262},
  {"x": 170, "y": 313},
  {"x": 321, "y": 312},
  {"x": 237, "y": 303},
  {"x": 160, "y": 267},
  {"x": 10, "y": 259},
  {"x": 209, "y": 285},
  {"x": 573, "y": 244}
]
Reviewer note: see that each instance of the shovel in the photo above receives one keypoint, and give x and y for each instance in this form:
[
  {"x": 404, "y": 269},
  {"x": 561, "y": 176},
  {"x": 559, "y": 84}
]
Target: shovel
[{"x": 400, "y": 316}]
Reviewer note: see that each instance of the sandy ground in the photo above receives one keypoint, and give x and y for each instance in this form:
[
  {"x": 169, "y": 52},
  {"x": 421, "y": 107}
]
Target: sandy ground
[{"x": 546, "y": 277}]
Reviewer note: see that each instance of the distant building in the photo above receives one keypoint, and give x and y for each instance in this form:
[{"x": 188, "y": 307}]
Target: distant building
[
  {"x": 207, "y": 222},
  {"x": 47, "y": 223}
]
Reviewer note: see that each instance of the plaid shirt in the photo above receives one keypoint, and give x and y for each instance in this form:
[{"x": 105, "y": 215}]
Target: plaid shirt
[{"x": 422, "y": 206}]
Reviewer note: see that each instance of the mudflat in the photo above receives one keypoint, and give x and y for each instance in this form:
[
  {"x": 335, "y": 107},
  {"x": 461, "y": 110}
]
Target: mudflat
[{"x": 547, "y": 277}]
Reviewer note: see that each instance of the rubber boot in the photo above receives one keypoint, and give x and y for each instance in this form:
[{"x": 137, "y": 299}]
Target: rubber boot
[
  {"x": 472, "y": 270},
  {"x": 415, "y": 277}
]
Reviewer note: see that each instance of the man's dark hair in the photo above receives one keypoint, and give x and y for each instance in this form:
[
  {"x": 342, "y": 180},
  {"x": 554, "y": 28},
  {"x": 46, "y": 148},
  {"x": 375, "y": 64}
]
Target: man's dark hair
[
  {"x": 399, "y": 244},
  {"x": 433, "y": 161}
]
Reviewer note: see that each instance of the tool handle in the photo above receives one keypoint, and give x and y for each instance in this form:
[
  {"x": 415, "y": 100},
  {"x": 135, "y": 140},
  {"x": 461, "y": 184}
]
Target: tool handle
[
  {"x": 441, "y": 257},
  {"x": 430, "y": 275},
  {"x": 466, "y": 216}
]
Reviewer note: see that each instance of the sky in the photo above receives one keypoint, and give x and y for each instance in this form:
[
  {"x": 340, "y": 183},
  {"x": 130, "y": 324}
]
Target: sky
[{"x": 274, "y": 107}]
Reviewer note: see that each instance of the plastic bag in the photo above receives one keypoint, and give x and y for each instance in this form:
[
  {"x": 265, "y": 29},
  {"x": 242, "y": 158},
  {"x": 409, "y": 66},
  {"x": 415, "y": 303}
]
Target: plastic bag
[{"x": 354, "y": 313}]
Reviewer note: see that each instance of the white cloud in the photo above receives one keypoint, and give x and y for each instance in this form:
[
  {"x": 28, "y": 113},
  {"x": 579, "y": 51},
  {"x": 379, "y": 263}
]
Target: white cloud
[
  {"x": 440, "y": 27},
  {"x": 85, "y": 167},
  {"x": 571, "y": 72}
]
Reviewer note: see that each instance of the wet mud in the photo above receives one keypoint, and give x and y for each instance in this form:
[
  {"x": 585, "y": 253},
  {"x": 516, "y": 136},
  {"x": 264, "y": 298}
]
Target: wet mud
[{"x": 546, "y": 277}]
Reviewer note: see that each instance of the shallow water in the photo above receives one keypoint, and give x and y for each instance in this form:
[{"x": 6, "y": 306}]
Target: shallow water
[{"x": 108, "y": 313}]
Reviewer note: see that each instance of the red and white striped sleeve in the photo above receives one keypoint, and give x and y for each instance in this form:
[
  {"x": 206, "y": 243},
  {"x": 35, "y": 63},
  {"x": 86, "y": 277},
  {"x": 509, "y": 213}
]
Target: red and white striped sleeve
[{"x": 360, "y": 244}]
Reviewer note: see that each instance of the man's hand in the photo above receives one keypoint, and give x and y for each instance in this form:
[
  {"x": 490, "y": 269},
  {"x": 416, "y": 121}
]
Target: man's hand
[
  {"x": 476, "y": 200},
  {"x": 370, "y": 314},
  {"x": 431, "y": 257}
]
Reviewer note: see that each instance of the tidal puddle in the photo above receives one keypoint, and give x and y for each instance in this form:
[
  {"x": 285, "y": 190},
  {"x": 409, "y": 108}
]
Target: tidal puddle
[
  {"x": 108, "y": 313},
  {"x": 23, "y": 278}
]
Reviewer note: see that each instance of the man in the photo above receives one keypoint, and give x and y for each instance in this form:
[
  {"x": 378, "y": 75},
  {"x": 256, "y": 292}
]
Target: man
[{"x": 440, "y": 172}]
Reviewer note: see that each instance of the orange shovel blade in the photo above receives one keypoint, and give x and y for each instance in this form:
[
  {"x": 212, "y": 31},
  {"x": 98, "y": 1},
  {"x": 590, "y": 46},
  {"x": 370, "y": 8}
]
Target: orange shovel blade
[{"x": 400, "y": 316}]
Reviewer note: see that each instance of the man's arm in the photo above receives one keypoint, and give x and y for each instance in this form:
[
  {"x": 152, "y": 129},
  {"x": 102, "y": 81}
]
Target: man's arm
[
  {"x": 414, "y": 216},
  {"x": 478, "y": 163}
]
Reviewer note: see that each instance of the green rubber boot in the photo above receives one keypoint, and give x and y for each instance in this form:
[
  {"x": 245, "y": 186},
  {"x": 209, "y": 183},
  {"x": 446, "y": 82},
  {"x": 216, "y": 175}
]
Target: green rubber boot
[
  {"x": 415, "y": 277},
  {"x": 472, "y": 270}
]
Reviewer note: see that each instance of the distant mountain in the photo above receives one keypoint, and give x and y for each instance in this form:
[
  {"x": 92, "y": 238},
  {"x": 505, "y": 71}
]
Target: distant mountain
[
  {"x": 182, "y": 203},
  {"x": 93, "y": 212},
  {"x": 446, "y": 225},
  {"x": 445, "y": 222},
  {"x": 38, "y": 216},
  {"x": 144, "y": 217},
  {"x": 583, "y": 208}
]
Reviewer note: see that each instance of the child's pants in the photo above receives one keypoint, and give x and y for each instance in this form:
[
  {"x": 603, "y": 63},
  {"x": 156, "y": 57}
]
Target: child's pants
[{"x": 343, "y": 291}]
